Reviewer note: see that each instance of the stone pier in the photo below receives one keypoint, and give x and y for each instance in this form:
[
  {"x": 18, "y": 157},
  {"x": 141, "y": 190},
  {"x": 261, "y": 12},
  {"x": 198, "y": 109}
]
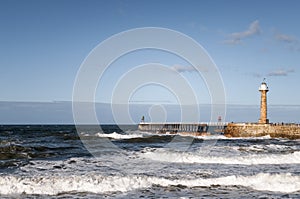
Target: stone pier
[{"x": 274, "y": 130}]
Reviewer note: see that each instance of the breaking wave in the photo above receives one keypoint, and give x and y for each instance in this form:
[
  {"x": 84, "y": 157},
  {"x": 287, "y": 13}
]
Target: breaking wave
[
  {"x": 185, "y": 157},
  {"x": 52, "y": 185},
  {"x": 118, "y": 136}
]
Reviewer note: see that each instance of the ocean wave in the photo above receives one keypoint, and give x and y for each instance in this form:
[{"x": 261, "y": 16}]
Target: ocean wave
[
  {"x": 165, "y": 155},
  {"x": 147, "y": 134},
  {"x": 53, "y": 185}
]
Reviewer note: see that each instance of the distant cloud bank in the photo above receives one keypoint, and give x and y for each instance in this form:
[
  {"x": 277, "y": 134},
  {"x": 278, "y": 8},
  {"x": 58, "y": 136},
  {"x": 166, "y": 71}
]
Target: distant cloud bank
[{"x": 61, "y": 112}]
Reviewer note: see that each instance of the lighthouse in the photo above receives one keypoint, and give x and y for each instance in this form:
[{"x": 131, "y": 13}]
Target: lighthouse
[{"x": 263, "y": 103}]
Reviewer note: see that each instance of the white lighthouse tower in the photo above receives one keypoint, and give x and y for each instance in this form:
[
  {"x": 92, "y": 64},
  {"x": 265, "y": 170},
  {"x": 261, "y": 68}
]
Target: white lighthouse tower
[{"x": 263, "y": 103}]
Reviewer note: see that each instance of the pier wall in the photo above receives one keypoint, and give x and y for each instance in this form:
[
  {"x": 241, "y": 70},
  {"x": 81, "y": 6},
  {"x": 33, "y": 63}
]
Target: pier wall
[{"x": 291, "y": 131}]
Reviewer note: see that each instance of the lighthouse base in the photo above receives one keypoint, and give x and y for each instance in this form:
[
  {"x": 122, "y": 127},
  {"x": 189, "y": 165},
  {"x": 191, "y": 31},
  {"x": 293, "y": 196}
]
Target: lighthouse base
[{"x": 263, "y": 121}]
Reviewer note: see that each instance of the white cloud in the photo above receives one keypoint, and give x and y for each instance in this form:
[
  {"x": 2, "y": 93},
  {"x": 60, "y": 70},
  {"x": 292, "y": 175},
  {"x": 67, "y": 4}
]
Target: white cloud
[
  {"x": 292, "y": 43},
  {"x": 285, "y": 38},
  {"x": 281, "y": 72},
  {"x": 236, "y": 38}
]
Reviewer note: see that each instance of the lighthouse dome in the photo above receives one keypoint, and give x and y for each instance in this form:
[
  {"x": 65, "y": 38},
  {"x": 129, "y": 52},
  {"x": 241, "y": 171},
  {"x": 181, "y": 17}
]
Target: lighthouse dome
[{"x": 263, "y": 87}]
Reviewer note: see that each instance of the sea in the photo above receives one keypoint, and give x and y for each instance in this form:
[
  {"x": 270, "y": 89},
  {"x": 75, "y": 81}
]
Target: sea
[{"x": 119, "y": 161}]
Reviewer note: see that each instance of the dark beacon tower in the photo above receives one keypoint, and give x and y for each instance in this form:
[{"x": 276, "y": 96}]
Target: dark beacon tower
[{"x": 263, "y": 103}]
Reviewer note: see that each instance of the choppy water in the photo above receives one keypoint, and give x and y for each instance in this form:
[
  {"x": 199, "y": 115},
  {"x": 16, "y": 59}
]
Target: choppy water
[{"x": 52, "y": 162}]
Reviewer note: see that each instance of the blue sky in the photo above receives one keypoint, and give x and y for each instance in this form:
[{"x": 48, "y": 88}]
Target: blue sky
[{"x": 43, "y": 44}]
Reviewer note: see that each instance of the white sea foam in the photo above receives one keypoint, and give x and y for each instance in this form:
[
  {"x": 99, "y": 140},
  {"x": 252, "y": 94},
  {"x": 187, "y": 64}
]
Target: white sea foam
[
  {"x": 165, "y": 155},
  {"x": 222, "y": 137},
  {"x": 118, "y": 136},
  {"x": 265, "y": 137},
  {"x": 52, "y": 185}
]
